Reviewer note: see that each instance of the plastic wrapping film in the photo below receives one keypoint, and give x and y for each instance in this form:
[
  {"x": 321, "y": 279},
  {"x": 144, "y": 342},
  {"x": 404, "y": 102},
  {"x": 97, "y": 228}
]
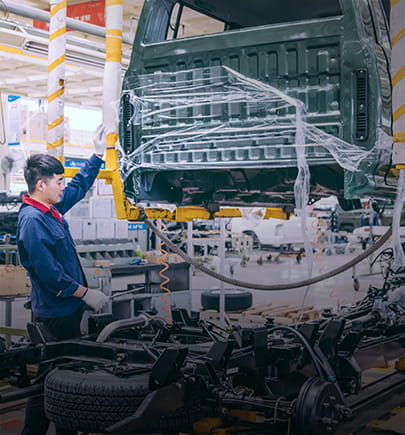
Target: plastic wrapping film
[
  {"x": 112, "y": 89},
  {"x": 302, "y": 186},
  {"x": 397, "y": 297},
  {"x": 214, "y": 118},
  {"x": 399, "y": 257},
  {"x": 252, "y": 216}
]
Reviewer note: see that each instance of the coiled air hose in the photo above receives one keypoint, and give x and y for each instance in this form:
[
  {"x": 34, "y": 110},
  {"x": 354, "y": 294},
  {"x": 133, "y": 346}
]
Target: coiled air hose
[
  {"x": 273, "y": 287},
  {"x": 165, "y": 279}
]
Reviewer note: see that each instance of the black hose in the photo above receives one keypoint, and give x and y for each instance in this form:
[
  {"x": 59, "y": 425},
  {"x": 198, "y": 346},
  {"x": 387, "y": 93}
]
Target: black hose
[
  {"x": 22, "y": 393},
  {"x": 309, "y": 281},
  {"x": 112, "y": 327}
]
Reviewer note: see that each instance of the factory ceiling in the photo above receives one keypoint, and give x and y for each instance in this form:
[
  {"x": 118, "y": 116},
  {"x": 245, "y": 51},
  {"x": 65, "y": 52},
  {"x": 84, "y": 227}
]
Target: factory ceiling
[{"x": 23, "y": 55}]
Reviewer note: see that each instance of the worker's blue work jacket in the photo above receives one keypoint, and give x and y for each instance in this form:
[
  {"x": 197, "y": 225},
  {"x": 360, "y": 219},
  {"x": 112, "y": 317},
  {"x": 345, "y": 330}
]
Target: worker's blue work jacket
[{"x": 47, "y": 250}]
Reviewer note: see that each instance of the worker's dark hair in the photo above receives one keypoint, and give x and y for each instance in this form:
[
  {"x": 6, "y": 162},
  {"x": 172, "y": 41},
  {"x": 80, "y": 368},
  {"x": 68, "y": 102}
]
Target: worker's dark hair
[{"x": 41, "y": 167}]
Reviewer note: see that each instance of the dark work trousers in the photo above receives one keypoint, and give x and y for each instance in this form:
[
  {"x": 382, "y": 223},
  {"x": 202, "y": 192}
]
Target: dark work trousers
[{"x": 36, "y": 422}]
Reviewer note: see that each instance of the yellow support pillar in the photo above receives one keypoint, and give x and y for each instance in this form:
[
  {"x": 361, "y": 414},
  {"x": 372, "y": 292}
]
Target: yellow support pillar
[
  {"x": 56, "y": 79},
  {"x": 112, "y": 89},
  {"x": 397, "y": 26}
]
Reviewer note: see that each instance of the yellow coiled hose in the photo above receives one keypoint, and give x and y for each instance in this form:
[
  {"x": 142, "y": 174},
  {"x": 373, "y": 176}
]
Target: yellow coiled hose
[{"x": 165, "y": 279}]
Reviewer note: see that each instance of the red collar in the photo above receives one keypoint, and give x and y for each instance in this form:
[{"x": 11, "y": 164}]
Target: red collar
[{"x": 30, "y": 201}]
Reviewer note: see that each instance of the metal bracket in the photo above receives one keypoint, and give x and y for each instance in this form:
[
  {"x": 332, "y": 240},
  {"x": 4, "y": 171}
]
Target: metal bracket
[
  {"x": 155, "y": 405},
  {"x": 168, "y": 365}
]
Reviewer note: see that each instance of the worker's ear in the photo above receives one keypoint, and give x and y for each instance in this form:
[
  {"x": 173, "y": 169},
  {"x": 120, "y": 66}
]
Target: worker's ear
[{"x": 40, "y": 185}]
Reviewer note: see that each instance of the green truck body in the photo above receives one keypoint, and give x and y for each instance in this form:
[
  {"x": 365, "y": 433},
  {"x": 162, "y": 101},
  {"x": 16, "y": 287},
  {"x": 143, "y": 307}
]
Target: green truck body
[{"x": 332, "y": 55}]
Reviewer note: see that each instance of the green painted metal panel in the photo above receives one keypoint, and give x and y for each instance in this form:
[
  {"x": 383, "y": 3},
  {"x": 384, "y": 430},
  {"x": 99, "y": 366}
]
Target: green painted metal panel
[{"x": 336, "y": 65}]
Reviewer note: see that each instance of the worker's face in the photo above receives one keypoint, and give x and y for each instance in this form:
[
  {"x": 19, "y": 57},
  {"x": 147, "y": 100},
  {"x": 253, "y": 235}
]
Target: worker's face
[{"x": 51, "y": 189}]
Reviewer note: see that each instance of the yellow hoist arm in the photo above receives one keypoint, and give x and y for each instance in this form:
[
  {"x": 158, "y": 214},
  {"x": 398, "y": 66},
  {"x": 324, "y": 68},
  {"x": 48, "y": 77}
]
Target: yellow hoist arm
[{"x": 126, "y": 210}]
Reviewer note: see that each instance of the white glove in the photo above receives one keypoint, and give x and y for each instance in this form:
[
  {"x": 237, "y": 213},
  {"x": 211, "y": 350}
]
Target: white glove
[
  {"x": 95, "y": 299},
  {"x": 99, "y": 140}
]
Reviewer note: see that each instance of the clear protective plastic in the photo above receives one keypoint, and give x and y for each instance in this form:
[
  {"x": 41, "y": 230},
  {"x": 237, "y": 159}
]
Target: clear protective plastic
[
  {"x": 213, "y": 118},
  {"x": 399, "y": 257}
]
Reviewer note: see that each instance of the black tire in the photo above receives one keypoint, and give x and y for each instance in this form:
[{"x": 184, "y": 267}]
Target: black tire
[
  {"x": 179, "y": 420},
  {"x": 235, "y": 299},
  {"x": 255, "y": 240},
  {"x": 346, "y": 227},
  {"x": 92, "y": 401},
  {"x": 349, "y": 204}
]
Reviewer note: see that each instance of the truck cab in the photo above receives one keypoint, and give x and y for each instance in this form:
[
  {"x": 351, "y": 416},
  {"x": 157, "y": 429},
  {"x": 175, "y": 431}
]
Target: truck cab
[{"x": 331, "y": 56}]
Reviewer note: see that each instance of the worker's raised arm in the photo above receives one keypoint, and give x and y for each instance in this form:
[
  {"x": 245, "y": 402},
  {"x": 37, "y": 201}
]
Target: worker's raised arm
[{"x": 77, "y": 188}]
